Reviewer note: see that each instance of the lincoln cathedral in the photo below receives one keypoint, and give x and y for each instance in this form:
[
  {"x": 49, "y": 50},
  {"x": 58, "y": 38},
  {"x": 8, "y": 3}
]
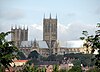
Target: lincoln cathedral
[{"x": 49, "y": 45}]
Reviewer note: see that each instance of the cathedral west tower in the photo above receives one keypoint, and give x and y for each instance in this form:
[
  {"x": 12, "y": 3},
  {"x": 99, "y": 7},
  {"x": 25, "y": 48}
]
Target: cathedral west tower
[{"x": 19, "y": 35}]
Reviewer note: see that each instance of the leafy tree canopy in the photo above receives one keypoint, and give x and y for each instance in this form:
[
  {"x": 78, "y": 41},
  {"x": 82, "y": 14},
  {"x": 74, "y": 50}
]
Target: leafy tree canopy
[
  {"x": 93, "y": 41},
  {"x": 75, "y": 69},
  {"x": 21, "y": 55},
  {"x": 7, "y": 50},
  {"x": 34, "y": 54}
]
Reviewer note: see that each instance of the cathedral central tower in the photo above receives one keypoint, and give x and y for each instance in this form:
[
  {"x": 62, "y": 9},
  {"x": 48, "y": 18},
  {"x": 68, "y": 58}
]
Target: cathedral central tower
[{"x": 50, "y": 30}]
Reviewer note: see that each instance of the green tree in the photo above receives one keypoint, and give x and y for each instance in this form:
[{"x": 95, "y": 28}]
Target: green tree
[
  {"x": 75, "y": 69},
  {"x": 63, "y": 70},
  {"x": 21, "y": 55},
  {"x": 55, "y": 68},
  {"x": 52, "y": 57},
  {"x": 35, "y": 61},
  {"x": 7, "y": 50},
  {"x": 76, "y": 62},
  {"x": 94, "y": 42},
  {"x": 93, "y": 70},
  {"x": 84, "y": 59},
  {"x": 27, "y": 68},
  {"x": 34, "y": 54}
]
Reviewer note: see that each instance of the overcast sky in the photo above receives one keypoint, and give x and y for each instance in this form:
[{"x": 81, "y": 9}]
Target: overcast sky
[{"x": 74, "y": 16}]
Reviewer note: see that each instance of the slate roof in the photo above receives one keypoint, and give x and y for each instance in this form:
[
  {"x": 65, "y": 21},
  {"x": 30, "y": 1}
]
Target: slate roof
[
  {"x": 26, "y": 44},
  {"x": 42, "y": 44}
]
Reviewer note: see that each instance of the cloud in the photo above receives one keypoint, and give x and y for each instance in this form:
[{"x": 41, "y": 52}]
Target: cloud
[
  {"x": 11, "y": 14},
  {"x": 4, "y": 27},
  {"x": 71, "y": 14},
  {"x": 72, "y": 31},
  {"x": 98, "y": 11},
  {"x": 36, "y": 31},
  {"x": 9, "y": 17}
]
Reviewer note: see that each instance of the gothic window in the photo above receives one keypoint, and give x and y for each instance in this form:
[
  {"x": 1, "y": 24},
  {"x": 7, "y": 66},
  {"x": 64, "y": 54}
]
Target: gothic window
[
  {"x": 52, "y": 27},
  {"x": 55, "y": 28},
  {"x": 45, "y": 27},
  {"x": 48, "y": 27}
]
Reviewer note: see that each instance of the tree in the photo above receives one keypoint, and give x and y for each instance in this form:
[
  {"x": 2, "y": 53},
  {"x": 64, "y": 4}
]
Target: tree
[
  {"x": 28, "y": 68},
  {"x": 21, "y": 55},
  {"x": 34, "y": 54},
  {"x": 52, "y": 57},
  {"x": 93, "y": 41},
  {"x": 79, "y": 59},
  {"x": 34, "y": 57},
  {"x": 7, "y": 50},
  {"x": 76, "y": 62},
  {"x": 55, "y": 68},
  {"x": 75, "y": 69},
  {"x": 93, "y": 70},
  {"x": 63, "y": 70}
]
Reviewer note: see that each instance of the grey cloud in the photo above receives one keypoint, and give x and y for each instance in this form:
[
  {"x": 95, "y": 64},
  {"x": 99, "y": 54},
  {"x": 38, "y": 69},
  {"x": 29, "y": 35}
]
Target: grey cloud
[
  {"x": 11, "y": 14},
  {"x": 35, "y": 32},
  {"x": 74, "y": 31},
  {"x": 4, "y": 26},
  {"x": 71, "y": 14},
  {"x": 98, "y": 11}
]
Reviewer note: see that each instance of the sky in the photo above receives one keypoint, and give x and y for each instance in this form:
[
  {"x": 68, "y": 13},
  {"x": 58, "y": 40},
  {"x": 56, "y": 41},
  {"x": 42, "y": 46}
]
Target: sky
[{"x": 73, "y": 16}]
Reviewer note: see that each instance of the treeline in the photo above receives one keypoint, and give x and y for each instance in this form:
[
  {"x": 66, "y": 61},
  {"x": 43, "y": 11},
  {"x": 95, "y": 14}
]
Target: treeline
[{"x": 78, "y": 58}]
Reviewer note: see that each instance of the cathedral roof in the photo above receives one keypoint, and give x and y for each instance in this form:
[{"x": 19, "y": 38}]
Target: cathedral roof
[
  {"x": 26, "y": 44},
  {"x": 41, "y": 44}
]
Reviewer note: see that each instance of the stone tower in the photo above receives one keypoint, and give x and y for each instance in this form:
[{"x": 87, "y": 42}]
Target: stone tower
[
  {"x": 19, "y": 35},
  {"x": 50, "y": 30}
]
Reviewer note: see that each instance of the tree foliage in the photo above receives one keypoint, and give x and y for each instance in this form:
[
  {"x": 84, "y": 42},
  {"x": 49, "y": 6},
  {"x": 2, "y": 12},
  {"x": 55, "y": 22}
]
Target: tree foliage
[
  {"x": 63, "y": 70},
  {"x": 55, "y": 68},
  {"x": 21, "y": 55},
  {"x": 75, "y": 69},
  {"x": 93, "y": 41},
  {"x": 80, "y": 58},
  {"x": 76, "y": 62},
  {"x": 7, "y": 50},
  {"x": 93, "y": 70},
  {"x": 29, "y": 68},
  {"x": 34, "y": 54},
  {"x": 54, "y": 57}
]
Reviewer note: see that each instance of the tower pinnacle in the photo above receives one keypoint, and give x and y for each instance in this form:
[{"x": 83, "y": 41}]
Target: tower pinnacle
[
  {"x": 50, "y": 15},
  {"x": 56, "y": 16}
]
